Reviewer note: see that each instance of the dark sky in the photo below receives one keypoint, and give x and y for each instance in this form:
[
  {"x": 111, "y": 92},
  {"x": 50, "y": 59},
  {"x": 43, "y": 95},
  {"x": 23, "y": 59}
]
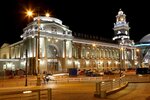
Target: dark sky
[{"x": 95, "y": 17}]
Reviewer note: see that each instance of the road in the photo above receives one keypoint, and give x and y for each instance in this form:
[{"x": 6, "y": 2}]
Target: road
[
  {"x": 85, "y": 91},
  {"x": 32, "y": 80}
]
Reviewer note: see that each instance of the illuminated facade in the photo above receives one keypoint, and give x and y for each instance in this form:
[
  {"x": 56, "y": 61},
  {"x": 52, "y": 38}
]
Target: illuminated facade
[
  {"x": 121, "y": 36},
  {"x": 60, "y": 50}
]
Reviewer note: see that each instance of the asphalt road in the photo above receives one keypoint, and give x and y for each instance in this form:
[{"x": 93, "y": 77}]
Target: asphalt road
[{"x": 85, "y": 91}]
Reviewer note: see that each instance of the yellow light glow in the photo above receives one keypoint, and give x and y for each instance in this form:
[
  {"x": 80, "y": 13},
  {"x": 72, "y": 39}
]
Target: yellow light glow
[
  {"x": 49, "y": 39},
  {"x": 140, "y": 75},
  {"x": 121, "y": 19},
  {"x": 121, "y": 48},
  {"x": 32, "y": 12},
  {"x": 101, "y": 62},
  {"x": 137, "y": 50},
  {"x": 32, "y": 36},
  {"x": 47, "y": 14},
  {"x": 116, "y": 62},
  {"x": 109, "y": 62},
  {"x": 94, "y": 45},
  {"x": 27, "y": 92},
  {"x": 39, "y": 59},
  {"x": 29, "y": 13},
  {"x": 103, "y": 82},
  {"x": 56, "y": 40}
]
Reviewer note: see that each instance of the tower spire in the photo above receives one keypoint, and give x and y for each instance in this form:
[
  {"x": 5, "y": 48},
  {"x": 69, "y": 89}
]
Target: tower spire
[{"x": 121, "y": 27}]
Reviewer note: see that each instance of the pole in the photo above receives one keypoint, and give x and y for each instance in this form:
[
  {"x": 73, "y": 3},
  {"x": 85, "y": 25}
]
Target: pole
[
  {"x": 38, "y": 54},
  {"x": 38, "y": 45},
  {"x": 39, "y": 95},
  {"x": 26, "y": 83},
  {"x": 49, "y": 94}
]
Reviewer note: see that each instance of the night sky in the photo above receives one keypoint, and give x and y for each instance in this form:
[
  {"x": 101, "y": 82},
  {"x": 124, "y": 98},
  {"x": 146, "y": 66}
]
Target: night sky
[{"x": 95, "y": 17}]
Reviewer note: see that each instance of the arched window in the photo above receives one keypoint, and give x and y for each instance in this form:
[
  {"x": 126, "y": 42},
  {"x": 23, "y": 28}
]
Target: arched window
[
  {"x": 83, "y": 52},
  {"x": 87, "y": 52},
  {"x": 52, "y": 52},
  {"x": 93, "y": 53},
  {"x": 110, "y": 54},
  {"x": 100, "y": 53},
  {"x": 106, "y": 53},
  {"x": 117, "y": 54},
  {"x": 73, "y": 51},
  {"x": 114, "y": 54},
  {"x": 103, "y": 53},
  {"x": 97, "y": 53}
]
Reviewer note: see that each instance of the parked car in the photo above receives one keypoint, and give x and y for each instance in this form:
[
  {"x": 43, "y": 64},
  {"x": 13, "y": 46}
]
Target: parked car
[
  {"x": 94, "y": 74},
  {"x": 80, "y": 72},
  {"x": 108, "y": 72}
]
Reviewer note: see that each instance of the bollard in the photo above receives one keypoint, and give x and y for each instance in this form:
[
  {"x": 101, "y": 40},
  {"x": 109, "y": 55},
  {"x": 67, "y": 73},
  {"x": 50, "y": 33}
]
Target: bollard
[
  {"x": 39, "y": 95},
  {"x": 49, "y": 94},
  {"x": 103, "y": 94}
]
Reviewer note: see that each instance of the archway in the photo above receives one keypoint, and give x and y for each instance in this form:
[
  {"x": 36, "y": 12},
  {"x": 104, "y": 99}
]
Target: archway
[{"x": 52, "y": 56}]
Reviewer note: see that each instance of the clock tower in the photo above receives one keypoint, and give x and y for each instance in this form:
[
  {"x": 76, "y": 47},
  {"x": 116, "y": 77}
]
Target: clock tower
[{"x": 121, "y": 28}]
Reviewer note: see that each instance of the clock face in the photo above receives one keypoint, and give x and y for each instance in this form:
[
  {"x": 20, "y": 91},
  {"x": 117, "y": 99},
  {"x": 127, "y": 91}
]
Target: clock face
[{"x": 121, "y": 19}]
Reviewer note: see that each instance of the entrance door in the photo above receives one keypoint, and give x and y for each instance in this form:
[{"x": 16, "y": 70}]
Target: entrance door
[
  {"x": 52, "y": 55},
  {"x": 52, "y": 67}
]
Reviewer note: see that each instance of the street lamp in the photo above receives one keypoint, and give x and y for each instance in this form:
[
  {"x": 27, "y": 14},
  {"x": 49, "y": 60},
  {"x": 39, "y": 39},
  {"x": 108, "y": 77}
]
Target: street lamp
[
  {"x": 26, "y": 81},
  {"x": 30, "y": 14}
]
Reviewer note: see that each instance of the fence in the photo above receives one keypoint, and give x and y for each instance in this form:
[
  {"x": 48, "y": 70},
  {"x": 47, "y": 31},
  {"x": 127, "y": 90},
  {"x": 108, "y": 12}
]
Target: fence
[{"x": 103, "y": 88}]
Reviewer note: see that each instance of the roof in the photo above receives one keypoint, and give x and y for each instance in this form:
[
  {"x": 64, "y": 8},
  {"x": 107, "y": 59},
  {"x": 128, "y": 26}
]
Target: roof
[
  {"x": 145, "y": 39},
  {"x": 4, "y": 45}
]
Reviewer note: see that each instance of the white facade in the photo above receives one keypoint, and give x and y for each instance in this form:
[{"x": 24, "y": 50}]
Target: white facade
[{"x": 59, "y": 50}]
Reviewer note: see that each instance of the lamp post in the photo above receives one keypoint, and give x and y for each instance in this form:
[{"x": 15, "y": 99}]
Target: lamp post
[
  {"x": 30, "y": 14},
  {"x": 26, "y": 81},
  {"x": 38, "y": 47}
]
